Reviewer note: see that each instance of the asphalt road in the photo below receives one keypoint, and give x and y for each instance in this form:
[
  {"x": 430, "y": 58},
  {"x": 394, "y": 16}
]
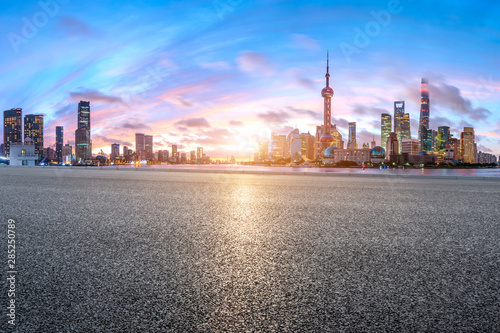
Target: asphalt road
[{"x": 126, "y": 251}]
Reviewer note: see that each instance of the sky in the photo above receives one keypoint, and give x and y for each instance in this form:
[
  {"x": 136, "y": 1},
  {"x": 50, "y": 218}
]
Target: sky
[{"x": 224, "y": 74}]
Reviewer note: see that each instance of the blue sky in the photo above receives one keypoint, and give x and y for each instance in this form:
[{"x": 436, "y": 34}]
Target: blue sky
[{"x": 224, "y": 74}]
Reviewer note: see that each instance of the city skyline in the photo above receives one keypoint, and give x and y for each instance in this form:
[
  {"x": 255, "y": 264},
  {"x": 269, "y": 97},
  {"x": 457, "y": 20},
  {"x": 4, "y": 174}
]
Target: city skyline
[{"x": 198, "y": 87}]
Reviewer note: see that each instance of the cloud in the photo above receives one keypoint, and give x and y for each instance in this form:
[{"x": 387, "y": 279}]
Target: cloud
[
  {"x": 193, "y": 122},
  {"x": 94, "y": 96},
  {"x": 449, "y": 96},
  {"x": 235, "y": 123},
  {"x": 216, "y": 136},
  {"x": 105, "y": 139},
  {"x": 313, "y": 114},
  {"x": 218, "y": 65},
  {"x": 134, "y": 125},
  {"x": 484, "y": 149},
  {"x": 255, "y": 63},
  {"x": 362, "y": 110},
  {"x": 305, "y": 42},
  {"x": 274, "y": 117},
  {"x": 74, "y": 27}
]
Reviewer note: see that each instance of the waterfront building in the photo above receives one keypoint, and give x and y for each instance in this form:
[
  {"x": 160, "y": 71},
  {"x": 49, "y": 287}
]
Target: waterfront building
[
  {"x": 423, "y": 127},
  {"x": 12, "y": 126},
  {"x": 67, "y": 154},
  {"x": 392, "y": 147},
  {"x": 295, "y": 144},
  {"x": 410, "y": 146},
  {"x": 352, "y": 144},
  {"x": 443, "y": 136},
  {"x": 140, "y": 146},
  {"x": 59, "y": 144},
  {"x": 385, "y": 129},
  {"x": 192, "y": 157},
  {"x": 360, "y": 156},
  {"x": 148, "y": 147},
  {"x": 468, "y": 145},
  {"x": 33, "y": 129},
  {"x": 199, "y": 154},
  {"x": 115, "y": 152},
  {"x": 83, "y": 142},
  {"x": 175, "y": 154}
]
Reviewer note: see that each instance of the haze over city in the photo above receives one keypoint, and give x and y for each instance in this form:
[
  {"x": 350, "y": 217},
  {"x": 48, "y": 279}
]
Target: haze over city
[{"x": 225, "y": 74}]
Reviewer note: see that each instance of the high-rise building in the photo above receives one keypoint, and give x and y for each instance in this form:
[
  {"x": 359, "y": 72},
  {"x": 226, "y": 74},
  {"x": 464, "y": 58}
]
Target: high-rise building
[
  {"x": 140, "y": 145},
  {"x": 295, "y": 144},
  {"x": 453, "y": 149},
  {"x": 175, "y": 154},
  {"x": 392, "y": 146},
  {"x": 148, "y": 146},
  {"x": 67, "y": 154},
  {"x": 423, "y": 125},
  {"x": 192, "y": 157},
  {"x": 59, "y": 144},
  {"x": 199, "y": 154},
  {"x": 401, "y": 122},
  {"x": 115, "y": 151},
  {"x": 468, "y": 145},
  {"x": 33, "y": 129},
  {"x": 12, "y": 127},
  {"x": 443, "y": 136},
  {"x": 385, "y": 129},
  {"x": 410, "y": 146},
  {"x": 307, "y": 145},
  {"x": 326, "y": 138},
  {"x": 83, "y": 143},
  {"x": 352, "y": 144},
  {"x": 337, "y": 138}
]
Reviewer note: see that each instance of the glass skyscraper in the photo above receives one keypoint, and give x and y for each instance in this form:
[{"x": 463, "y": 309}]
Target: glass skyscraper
[
  {"x": 443, "y": 136},
  {"x": 83, "y": 143},
  {"x": 401, "y": 123},
  {"x": 352, "y": 144},
  {"x": 59, "y": 144},
  {"x": 385, "y": 129},
  {"x": 12, "y": 127}
]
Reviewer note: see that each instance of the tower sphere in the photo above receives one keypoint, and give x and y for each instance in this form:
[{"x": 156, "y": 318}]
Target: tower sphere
[
  {"x": 326, "y": 140},
  {"x": 327, "y": 92}
]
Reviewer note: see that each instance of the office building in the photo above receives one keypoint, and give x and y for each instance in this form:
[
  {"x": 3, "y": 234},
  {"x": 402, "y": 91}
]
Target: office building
[
  {"x": 59, "y": 144},
  {"x": 33, "y": 129},
  {"x": 12, "y": 127},
  {"x": 443, "y": 136},
  {"x": 410, "y": 146},
  {"x": 385, "y": 129},
  {"x": 352, "y": 144},
  {"x": 148, "y": 147},
  {"x": 199, "y": 154},
  {"x": 83, "y": 143},
  {"x": 115, "y": 152},
  {"x": 140, "y": 146},
  {"x": 468, "y": 145},
  {"x": 23, "y": 153},
  {"x": 392, "y": 147}
]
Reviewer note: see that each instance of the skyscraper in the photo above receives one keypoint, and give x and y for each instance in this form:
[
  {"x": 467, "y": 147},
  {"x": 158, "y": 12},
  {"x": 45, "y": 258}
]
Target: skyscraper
[
  {"x": 423, "y": 125},
  {"x": 148, "y": 147},
  {"x": 59, "y": 144},
  {"x": 443, "y": 136},
  {"x": 199, "y": 154},
  {"x": 326, "y": 138},
  {"x": 33, "y": 129},
  {"x": 140, "y": 145},
  {"x": 392, "y": 147},
  {"x": 467, "y": 145},
  {"x": 12, "y": 127},
  {"x": 385, "y": 129},
  {"x": 401, "y": 123},
  {"x": 115, "y": 151},
  {"x": 83, "y": 143},
  {"x": 352, "y": 144}
]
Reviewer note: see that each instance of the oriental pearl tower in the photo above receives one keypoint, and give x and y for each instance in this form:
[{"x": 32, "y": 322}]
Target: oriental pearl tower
[{"x": 326, "y": 139}]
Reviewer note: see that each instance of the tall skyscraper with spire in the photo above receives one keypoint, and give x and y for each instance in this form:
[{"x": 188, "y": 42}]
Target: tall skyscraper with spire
[
  {"x": 326, "y": 138},
  {"x": 423, "y": 125}
]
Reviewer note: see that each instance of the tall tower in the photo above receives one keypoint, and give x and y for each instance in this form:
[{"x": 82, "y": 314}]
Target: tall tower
[
  {"x": 33, "y": 129},
  {"x": 326, "y": 138},
  {"x": 423, "y": 125},
  {"x": 83, "y": 144},
  {"x": 12, "y": 126}
]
